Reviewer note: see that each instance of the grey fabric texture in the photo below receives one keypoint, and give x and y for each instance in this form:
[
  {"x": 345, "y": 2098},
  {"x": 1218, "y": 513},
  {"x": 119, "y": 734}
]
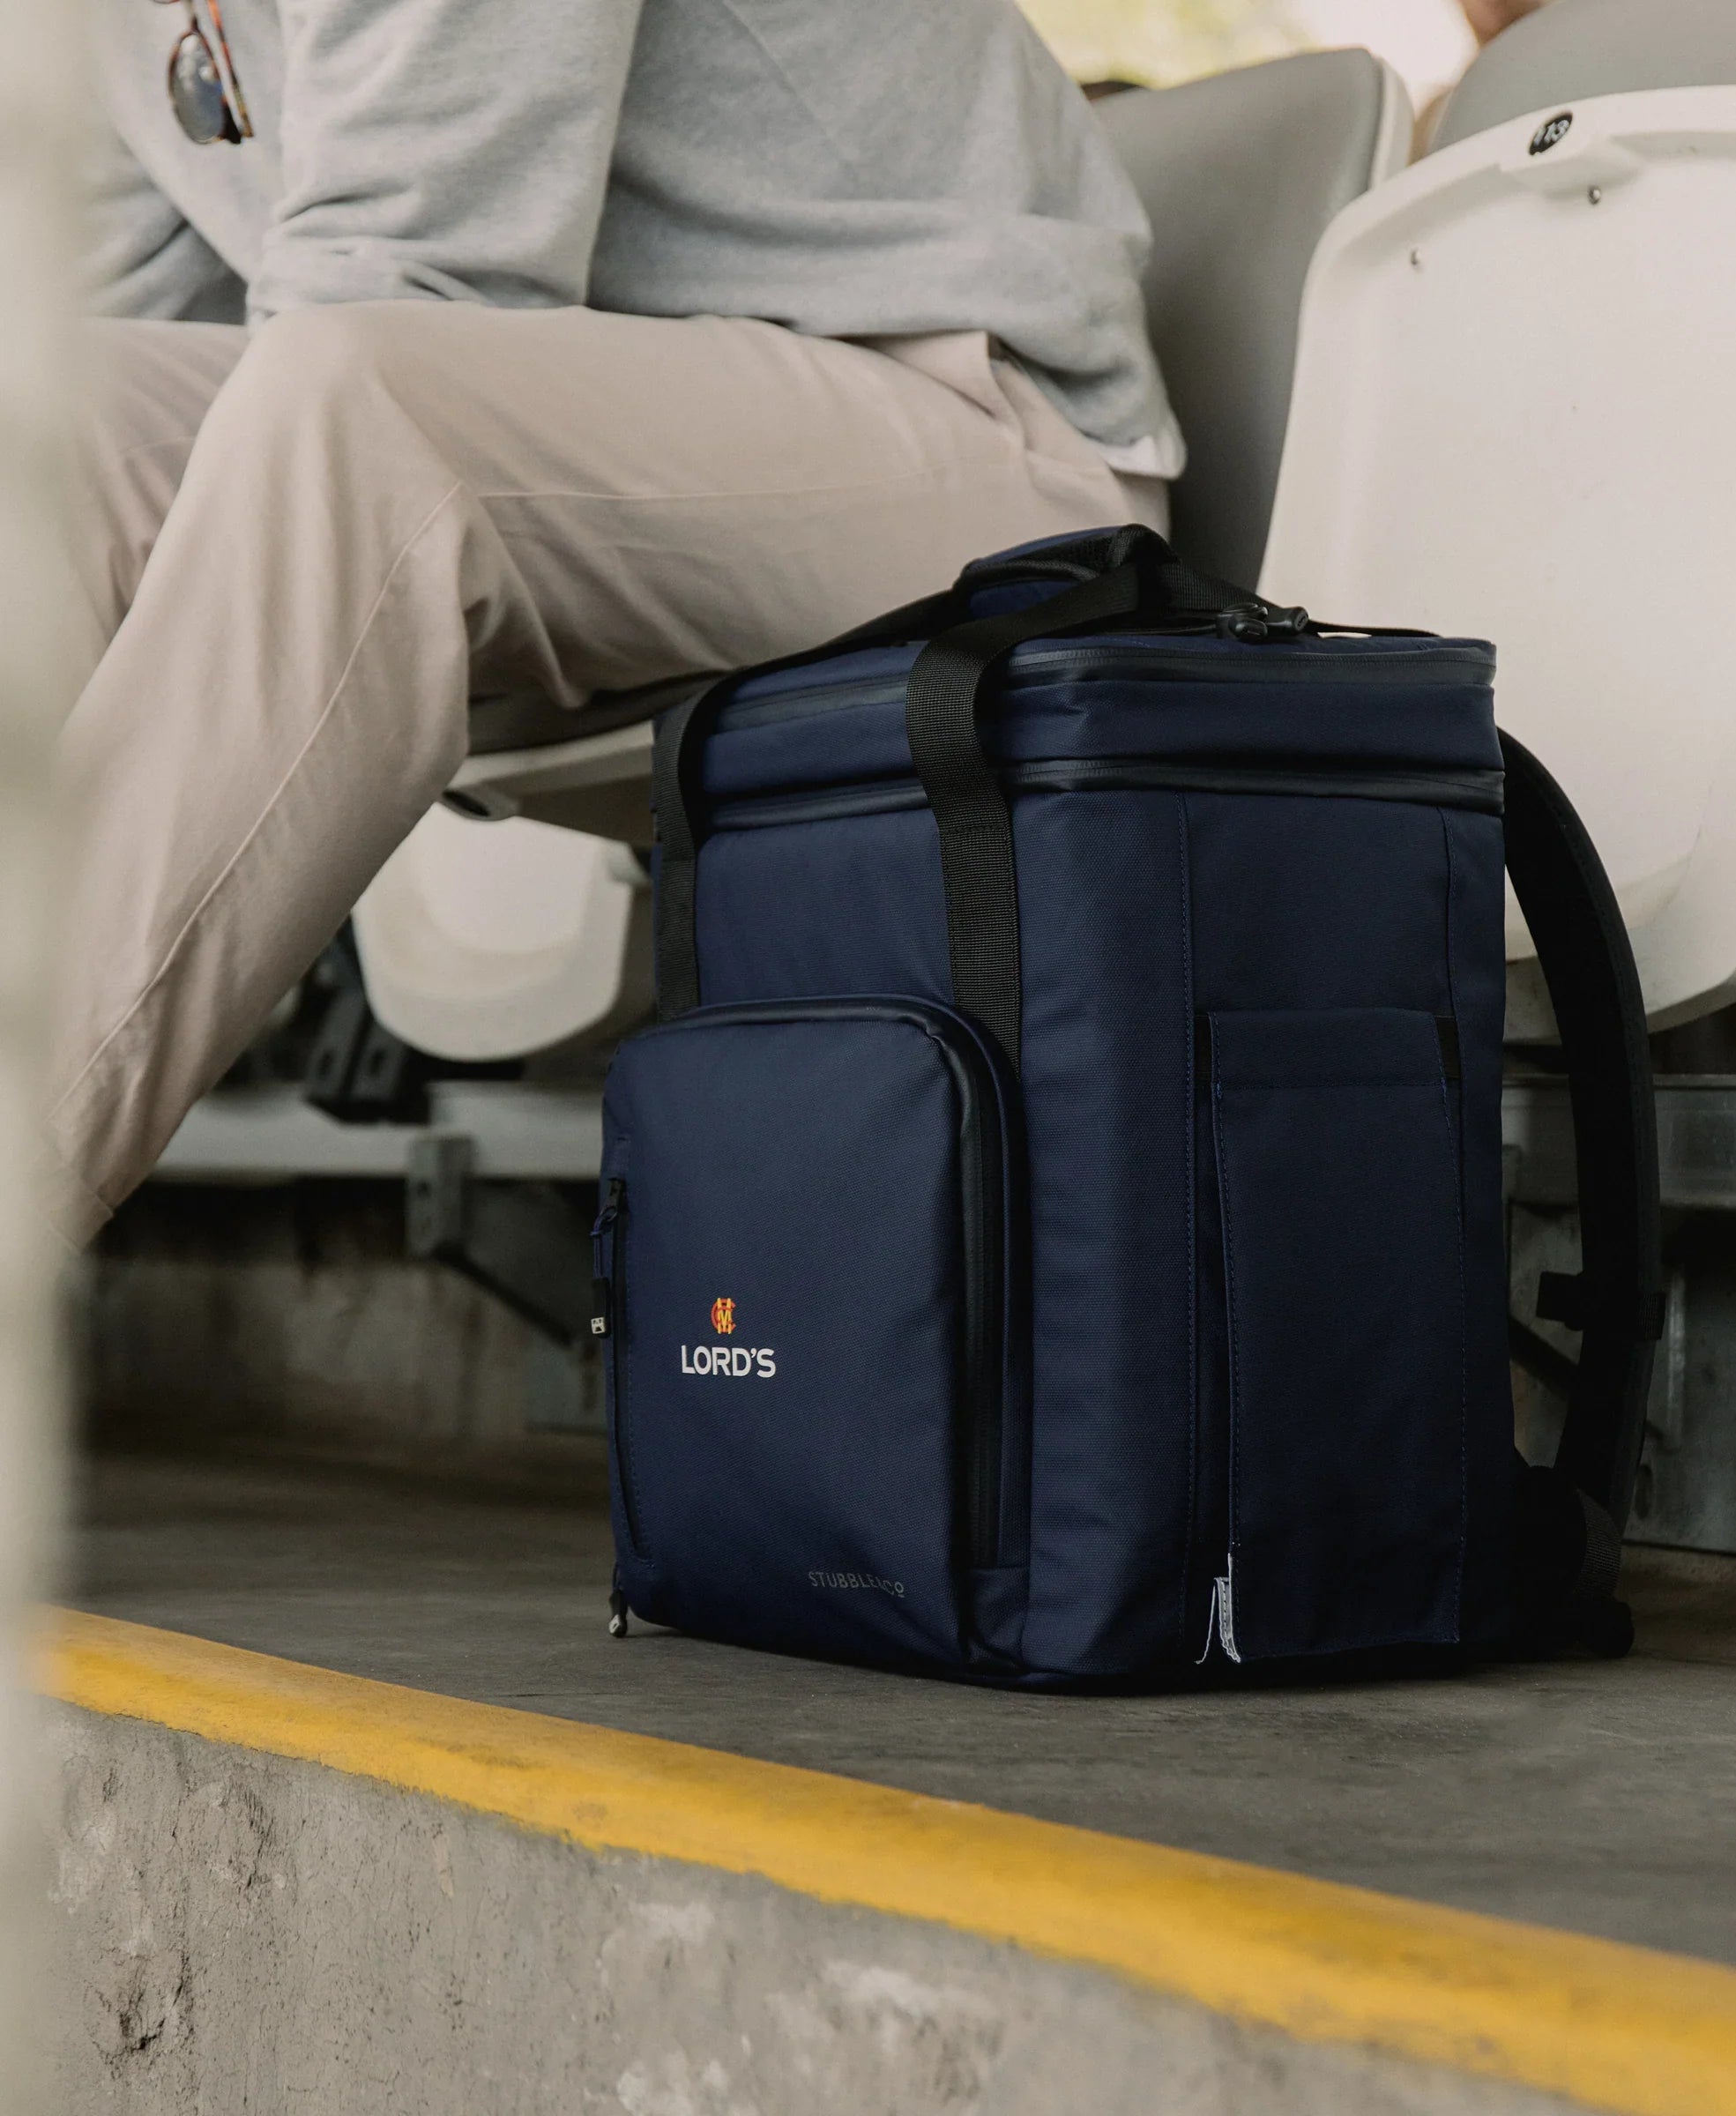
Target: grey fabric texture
[
  {"x": 1577, "y": 48},
  {"x": 1241, "y": 174},
  {"x": 849, "y": 167}
]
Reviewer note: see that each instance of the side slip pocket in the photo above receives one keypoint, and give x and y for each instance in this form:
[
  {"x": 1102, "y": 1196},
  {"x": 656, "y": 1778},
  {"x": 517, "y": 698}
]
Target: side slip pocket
[
  {"x": 1338, "y": 1168},
  {"x": 804, "y": 1244}
]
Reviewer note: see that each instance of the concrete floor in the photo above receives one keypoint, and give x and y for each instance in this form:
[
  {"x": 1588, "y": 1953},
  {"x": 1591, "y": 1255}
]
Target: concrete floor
[{"x": 1594, "y": 1796}]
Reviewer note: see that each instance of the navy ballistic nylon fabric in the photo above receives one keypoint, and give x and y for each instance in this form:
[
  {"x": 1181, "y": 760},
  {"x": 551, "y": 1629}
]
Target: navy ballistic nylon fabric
[
  {"x": 1103, "y": 896},
  {"x": 872, "y": 917},
  {"x": 1264, "y": 1303}
]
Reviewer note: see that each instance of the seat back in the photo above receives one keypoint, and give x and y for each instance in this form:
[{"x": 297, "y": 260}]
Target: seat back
[
  {"x": 1239, "y": 176},
  {"x": 1578, "y": 49},
  {"x": 1513, "y": 418}
]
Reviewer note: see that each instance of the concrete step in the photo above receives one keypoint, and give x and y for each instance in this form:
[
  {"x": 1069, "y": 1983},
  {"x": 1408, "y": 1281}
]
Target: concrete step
[{"x": 285, "y": 1886}]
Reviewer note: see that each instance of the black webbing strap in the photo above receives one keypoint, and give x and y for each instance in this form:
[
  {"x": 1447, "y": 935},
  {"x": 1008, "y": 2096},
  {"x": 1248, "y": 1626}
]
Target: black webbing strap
[
  {"x": 1567, "y": 1558},
  {"x": 675, "y": 765},
  {"x": 943, "y": 703},
  {"x": 1583, "y": 949}
]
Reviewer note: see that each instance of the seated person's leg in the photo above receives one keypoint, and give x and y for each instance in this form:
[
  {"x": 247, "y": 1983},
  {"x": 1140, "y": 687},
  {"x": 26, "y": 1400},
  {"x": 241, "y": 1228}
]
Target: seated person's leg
[
  {"x": 147, "y": 388},
  {"x": 387, "y": 502}
]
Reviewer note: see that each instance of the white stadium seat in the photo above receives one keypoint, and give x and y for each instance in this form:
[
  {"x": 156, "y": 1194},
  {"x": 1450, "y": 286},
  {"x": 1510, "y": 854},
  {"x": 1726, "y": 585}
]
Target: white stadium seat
[
  {"x": 1513, "y": 416},
  {"x": 483, "y": 941}
]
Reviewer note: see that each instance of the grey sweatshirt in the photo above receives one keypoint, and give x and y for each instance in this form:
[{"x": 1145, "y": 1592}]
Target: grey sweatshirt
[{"x": 849, "y": 167}]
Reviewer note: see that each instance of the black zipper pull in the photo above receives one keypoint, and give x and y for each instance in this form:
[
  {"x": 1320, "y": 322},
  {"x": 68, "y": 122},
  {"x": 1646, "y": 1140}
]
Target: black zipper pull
[
  {"x": 602, "y": 1292},
  {"x": 1255, "y": 622},
  {"x": 617, "y": 1607}
]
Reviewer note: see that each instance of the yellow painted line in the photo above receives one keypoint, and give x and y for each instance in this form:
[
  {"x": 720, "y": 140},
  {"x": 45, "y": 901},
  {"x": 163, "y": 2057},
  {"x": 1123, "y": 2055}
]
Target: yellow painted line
[{"x": 1613, "y": 2027}]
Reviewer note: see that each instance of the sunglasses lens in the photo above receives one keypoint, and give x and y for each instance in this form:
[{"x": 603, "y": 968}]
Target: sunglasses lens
[{"x": 195, "y": 90}]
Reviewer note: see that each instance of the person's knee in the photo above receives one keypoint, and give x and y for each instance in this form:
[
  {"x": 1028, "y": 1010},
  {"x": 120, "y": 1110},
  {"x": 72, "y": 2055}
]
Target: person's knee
[{"x": 309, "y": 361}]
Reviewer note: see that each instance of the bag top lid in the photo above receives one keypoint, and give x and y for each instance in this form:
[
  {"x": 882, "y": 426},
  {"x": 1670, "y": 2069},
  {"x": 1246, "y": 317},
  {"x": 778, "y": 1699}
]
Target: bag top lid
[{"x": 1412, "y": 703}]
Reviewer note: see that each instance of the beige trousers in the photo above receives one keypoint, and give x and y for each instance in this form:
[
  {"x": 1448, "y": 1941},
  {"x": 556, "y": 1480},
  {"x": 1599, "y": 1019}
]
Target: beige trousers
[{"x": 305, "y": 548}]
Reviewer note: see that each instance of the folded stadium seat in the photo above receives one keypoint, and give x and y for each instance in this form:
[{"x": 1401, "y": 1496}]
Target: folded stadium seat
[
  {"x": 1513, "y": 417},
  {"x": 491, "y": 933},
  {"x": 1241, "y": 174},
  {"x": 1578, "y": 49},
  {"x": 511, "y": 920}
]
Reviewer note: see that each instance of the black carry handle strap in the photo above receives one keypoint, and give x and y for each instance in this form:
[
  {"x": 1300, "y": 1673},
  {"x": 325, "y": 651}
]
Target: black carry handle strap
[
  {"x": 1617, "y": 1301},
  {"x": 942, "y": 704},
  {"x": 1101, "y": 577},
  {"x": 680, "y": 745}
]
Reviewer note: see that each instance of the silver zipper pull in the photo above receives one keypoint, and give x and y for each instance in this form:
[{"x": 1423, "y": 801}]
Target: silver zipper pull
[
  {"x": 1223, "y": 1599},
  {"x": 1221, "y": 1618},
  {"x": 1204, "y": 1653}
]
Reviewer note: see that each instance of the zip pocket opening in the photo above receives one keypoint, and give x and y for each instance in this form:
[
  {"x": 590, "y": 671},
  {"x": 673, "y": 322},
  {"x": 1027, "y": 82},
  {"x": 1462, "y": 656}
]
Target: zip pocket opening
[
  {"x": 1337, "y": 1159},
  {"x": 608, "y": 1260},
  {"x": 982, "y": 1384},
  {"x": 1479, "y": 792},
  {"x": 1035, "y": 666}
]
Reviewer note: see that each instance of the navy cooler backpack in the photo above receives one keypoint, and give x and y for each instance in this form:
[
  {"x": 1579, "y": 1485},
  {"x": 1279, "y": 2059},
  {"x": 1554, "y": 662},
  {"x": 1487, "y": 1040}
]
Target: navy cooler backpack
[{"x": 1053, "y": 1233}]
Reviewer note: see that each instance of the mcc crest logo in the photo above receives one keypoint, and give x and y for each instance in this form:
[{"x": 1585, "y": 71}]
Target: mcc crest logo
[{"x": 736, "y": 1361}]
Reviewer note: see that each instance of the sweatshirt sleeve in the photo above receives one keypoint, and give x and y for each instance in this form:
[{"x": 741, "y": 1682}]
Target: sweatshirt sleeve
[
  {"x": 140, "y": 257},
  {"x": 444, "y": 149}
]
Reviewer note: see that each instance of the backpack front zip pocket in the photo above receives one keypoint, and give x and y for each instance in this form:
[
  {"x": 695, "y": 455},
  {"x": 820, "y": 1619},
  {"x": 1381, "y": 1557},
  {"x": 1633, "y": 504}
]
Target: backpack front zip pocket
[
  {"x": 1341, "y": 1462},
  {"x": 817, "y": 1426}
]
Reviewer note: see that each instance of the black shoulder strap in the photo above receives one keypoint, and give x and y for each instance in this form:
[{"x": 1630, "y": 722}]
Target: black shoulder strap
[{"x": 1616, "y": 1301}]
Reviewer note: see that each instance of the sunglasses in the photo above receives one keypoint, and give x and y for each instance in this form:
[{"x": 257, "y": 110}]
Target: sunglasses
[{"x": 209, "y": 105}]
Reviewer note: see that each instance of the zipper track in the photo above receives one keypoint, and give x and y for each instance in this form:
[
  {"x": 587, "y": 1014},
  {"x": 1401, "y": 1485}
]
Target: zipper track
[
  {"x": 982, "y": 1243},
  {"x": 1150, "y": 665},
  {"x": 623, "y": 1449},
  {"x": 1037, "y": 666},
  {"x": 1478, "y": 791}
]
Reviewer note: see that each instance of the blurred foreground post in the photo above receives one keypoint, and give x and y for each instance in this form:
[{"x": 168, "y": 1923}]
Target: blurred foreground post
[{"x": 38, "y": 85}]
